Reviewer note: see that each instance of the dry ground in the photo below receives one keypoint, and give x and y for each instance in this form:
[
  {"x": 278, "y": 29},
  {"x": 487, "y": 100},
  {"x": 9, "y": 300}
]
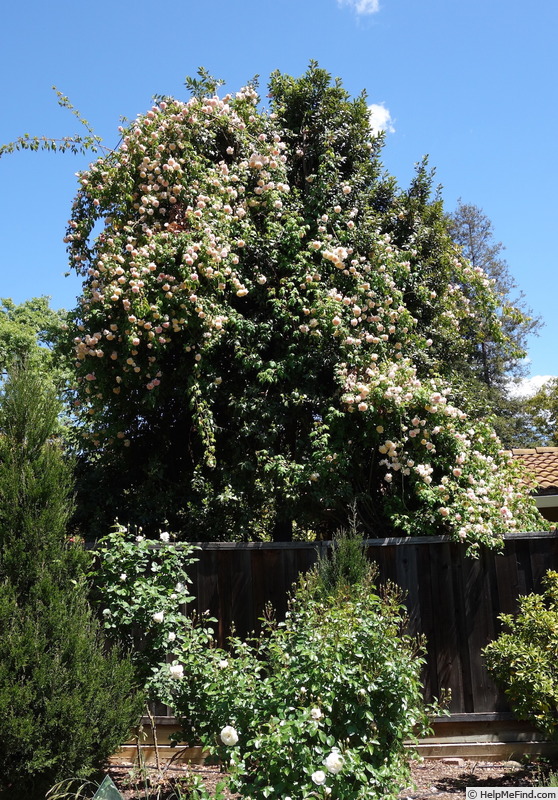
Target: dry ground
[{"x": 433, "y": 778}]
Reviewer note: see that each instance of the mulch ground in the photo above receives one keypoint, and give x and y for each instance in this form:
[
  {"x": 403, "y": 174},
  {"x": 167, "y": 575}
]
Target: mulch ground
[
  {"x": 435, "y": 778},
  {"x": 440, "y": 779}
]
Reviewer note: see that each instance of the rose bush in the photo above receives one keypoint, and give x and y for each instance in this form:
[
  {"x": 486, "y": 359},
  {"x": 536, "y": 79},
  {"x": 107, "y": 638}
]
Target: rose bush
[
  {"x": 323, "y": 702},
  {"x": 143, "y": 589}
]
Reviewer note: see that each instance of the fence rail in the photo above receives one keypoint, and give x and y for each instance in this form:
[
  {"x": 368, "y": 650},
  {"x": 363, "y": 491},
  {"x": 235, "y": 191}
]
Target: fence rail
[{"x": 453, "y": 600}]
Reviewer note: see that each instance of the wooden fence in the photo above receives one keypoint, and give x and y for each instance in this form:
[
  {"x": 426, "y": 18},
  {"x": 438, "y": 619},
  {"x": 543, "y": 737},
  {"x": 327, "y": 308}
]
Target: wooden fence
[{"x": 451, "y": 599}]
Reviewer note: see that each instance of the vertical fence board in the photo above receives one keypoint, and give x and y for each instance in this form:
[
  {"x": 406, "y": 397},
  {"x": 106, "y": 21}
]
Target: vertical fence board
[
  {"x": 267, "y": 584},
  {"x": 224, "y": 615},
  {"x": 543, "y": 557},
  {"x": 524, "y": 571},
  {"x": 462, "y": 694},
  {"x": 445, "y": 641},
  {"x": 507, "y": 580},
  {"x": 385, "y": 558},
  {"x": 427, "y": 616},
  {"x": 407, "y": 578},
  {"x": 242, "y": 611},
  {"x": 206, "y": 586},
  {"x": 477, "y": 604},
  {"x": 482, "y": 610},
  {"x": 494, "y": 696}
]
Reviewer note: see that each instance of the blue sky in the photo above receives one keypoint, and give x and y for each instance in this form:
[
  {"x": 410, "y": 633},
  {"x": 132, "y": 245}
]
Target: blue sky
[{"x": 471, "y": 84}]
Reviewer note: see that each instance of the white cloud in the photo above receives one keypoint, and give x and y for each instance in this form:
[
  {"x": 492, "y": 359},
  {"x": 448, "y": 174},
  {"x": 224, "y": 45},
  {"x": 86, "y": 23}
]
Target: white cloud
[
  {"x": 525, "y": 387},
  {"x": 362, "y": 6},
  {"x": 380, "y": 119}
]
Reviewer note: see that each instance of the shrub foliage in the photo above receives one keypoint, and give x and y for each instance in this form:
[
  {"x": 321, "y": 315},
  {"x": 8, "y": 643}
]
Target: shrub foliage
[
  {"x": 524, "y": 660},
  {"x": 320, "y": 703},
  {"x": 66, "y": 702}
]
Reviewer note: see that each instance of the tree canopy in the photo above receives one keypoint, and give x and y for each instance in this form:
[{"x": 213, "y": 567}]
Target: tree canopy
[
  {"x": 542, "y": 408},
  {"x": 495, "y": 362},
  {"x": 28, "y": 332},
  {"x": 268, "y": 326}
]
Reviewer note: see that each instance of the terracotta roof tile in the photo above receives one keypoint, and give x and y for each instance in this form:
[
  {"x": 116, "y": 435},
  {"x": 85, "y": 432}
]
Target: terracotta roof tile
[{"x": 543, "y": 462}]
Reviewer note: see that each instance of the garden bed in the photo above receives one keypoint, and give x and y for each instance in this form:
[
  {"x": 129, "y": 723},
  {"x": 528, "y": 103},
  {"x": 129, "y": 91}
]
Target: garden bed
[{"x": 442, "y": 779}]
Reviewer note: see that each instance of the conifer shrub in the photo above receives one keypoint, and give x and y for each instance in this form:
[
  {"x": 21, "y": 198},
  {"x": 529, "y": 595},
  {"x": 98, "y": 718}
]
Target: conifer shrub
[
  {"x": 346, "y": 562},
  {"x": 66, "y": 700}
]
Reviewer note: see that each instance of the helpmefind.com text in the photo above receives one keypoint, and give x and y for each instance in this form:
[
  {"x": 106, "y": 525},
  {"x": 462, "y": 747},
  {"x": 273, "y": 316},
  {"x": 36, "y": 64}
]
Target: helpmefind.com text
[{"x": 510, "y": 793}]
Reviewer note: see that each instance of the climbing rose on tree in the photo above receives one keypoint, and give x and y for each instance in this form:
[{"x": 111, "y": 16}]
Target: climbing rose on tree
[{"x": 258, "y": 338}]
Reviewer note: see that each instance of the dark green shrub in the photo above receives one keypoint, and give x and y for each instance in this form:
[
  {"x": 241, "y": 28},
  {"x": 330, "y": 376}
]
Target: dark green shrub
[
  {"x": 66, "y": 701},
  {"x": 524, "y": 660}
]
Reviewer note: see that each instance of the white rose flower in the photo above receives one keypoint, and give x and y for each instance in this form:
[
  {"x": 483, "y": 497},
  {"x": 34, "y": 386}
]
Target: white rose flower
[
  {"x": 176, "y": 670},
  {"x": 319, "y": 777},
  {"x": 229, "y": 736},
  {"x": 316, "y": 713},
  {"x": 334, "y": 761},
  {"x": 123, "y": 576},
  {"x": 223, "y": 663},
  {"x": 164, "y": 536},
  {"x": 158, "y": 616},
  {"x": 172, "y": 636}
]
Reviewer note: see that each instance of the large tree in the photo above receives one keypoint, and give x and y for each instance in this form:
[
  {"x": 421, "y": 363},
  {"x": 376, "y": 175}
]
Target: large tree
[
  {"x": 542, "y": 409},
  {"x": 28, "y": 333},
  {"x": 495, "y": 360},
  {"x": 266, "y": 324}
]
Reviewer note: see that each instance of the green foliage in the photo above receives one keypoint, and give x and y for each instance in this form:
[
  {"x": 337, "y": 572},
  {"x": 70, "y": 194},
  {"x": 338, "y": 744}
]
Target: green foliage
[
  {"x": 495, "y": 359},
  {"x": 264, "y": 324},
  {"x": 35, "y": 484},
  {"x": 542, "y": 408},
  {"x": 142, "y": 591},
  {"x": 524, "y": 660},
  {"x": 79, "y": 143},
  {"x": 28, "y": 333},
  {"x": 204, "y": 85},
  {"x": 346, "y": 563},
  {"x": 66, "y": 701},
  {"x": 322, "y": 701}
]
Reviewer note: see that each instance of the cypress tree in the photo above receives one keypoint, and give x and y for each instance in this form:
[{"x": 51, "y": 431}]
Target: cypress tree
[{"x": 66, "y": 700}]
